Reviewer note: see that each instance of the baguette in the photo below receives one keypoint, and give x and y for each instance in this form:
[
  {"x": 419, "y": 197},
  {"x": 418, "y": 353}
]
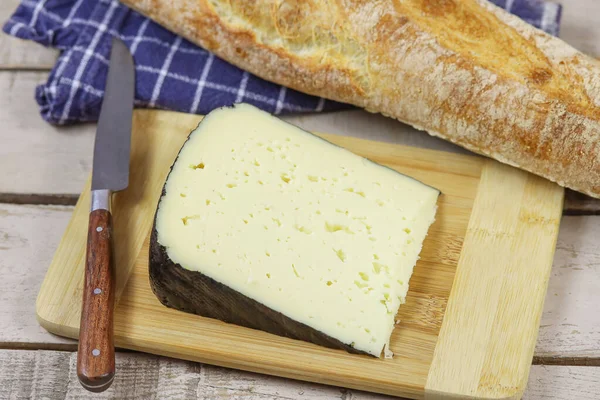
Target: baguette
[{"x": 463, "y": 70}]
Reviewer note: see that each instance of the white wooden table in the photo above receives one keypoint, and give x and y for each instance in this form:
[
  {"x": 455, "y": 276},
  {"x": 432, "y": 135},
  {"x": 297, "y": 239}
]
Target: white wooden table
[{"x": 43, "y": 169}]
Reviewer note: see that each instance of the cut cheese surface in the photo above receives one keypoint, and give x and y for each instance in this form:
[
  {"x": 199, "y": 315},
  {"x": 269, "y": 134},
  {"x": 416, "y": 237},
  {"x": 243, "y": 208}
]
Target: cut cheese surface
[{"x": 302, "y": 226}]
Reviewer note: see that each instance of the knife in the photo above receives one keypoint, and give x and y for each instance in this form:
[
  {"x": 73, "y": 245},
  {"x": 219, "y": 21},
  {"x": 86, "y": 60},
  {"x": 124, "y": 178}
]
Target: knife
[{"x": 110, "y": 173}]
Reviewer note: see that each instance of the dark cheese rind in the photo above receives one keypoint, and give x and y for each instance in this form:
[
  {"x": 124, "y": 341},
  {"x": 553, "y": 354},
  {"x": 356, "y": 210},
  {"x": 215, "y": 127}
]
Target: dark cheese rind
[{"x": 196, "y": 293}]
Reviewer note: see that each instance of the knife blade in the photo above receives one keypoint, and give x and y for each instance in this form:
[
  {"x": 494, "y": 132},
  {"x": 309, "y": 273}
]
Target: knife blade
[
  {"x": 113, "y": 136},
  {"x": 110, "y": 173}
]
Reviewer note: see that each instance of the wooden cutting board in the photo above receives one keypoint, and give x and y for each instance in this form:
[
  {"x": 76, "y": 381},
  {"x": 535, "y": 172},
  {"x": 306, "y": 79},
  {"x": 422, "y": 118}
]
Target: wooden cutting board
[{"x": 470, "y": 323}]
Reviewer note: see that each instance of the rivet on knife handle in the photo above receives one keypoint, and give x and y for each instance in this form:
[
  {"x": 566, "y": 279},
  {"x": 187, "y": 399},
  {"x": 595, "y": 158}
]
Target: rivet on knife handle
[{"x": 96, "y": 352}]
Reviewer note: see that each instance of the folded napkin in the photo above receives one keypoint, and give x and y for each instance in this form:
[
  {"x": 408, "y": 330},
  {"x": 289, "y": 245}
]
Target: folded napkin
[{"x": 171, "y": 73}]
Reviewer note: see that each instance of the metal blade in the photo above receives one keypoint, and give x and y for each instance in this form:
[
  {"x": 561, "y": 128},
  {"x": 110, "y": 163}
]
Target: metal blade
[{"x": 113, "y": 136}]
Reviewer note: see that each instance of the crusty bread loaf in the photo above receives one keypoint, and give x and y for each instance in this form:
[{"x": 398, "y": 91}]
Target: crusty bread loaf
[{"x": 463, "y": 70}]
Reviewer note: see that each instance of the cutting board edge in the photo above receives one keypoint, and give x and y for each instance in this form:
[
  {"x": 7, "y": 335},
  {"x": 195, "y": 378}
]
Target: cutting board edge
[
  {"x": 449, "y": 379},
  {"x": 124, "y": 342},
  {"x": 55, "y": 325},
  {"x": 45, "y": 313}
]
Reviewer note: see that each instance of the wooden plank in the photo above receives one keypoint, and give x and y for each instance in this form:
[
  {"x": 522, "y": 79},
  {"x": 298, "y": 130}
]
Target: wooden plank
[
  {"x": 21, "y": 54},
  {"x": 563, "y": 382},
  {"x": 28, "y": 237},
  {"x": 580, "y": 26},
  {"x": 501, "y": 278},
  {"x": 35, "y": 157},
  {"x": 52, "y": 375},
  {"x": 47, "y": 164},
  {"x": 570, "y": 325},
  {"x": 34, "y": 374}
]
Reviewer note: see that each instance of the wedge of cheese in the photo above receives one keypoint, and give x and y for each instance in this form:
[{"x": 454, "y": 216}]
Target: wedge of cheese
[{"x": 264, "y": 225}]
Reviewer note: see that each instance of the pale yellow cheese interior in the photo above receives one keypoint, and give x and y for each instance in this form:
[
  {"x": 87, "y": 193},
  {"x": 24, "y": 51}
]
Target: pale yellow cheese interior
[{"x": 296, "y": 223}]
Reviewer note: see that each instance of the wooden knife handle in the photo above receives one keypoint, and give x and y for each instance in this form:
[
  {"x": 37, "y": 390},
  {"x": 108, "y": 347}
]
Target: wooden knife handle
[{"x": 96, "y": 352}]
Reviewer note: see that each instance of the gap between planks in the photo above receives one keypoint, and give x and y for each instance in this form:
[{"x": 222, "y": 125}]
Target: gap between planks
[
  {"x": 39, "y": 199},
  {"x": 71, "y": 346},
  {"x": 572, "y": 361}
]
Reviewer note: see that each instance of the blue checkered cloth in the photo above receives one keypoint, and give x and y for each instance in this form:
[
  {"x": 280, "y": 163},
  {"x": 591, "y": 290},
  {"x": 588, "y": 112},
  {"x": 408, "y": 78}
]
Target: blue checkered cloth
[{"x": 171, "y": 73}]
